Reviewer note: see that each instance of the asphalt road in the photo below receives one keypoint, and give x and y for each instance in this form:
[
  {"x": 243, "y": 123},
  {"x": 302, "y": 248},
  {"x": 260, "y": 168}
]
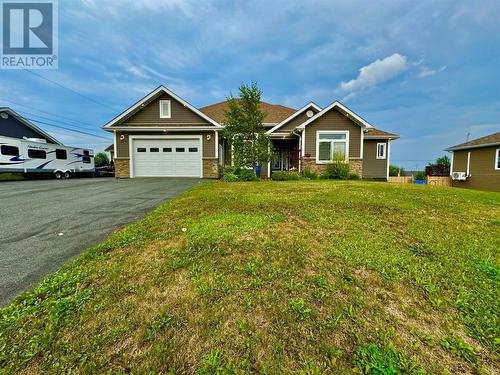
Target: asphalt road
[{"x": 46, "y": 223}]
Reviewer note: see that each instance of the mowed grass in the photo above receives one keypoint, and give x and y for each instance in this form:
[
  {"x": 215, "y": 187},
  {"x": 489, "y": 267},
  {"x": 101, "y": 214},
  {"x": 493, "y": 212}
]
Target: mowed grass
[{"x": 305, "y": 277}]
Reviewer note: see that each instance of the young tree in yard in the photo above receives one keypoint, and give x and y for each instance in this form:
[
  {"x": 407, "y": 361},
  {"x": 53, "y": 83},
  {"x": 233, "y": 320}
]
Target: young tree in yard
[
  {"x": 101, "y": 159},
  {"x": 244, "y": 129},
  {"x": 443, "y": 160}
]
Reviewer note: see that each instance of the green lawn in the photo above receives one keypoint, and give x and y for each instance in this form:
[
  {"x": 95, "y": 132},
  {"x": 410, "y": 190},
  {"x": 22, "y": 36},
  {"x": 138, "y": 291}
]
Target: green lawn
[
  {"x": 276, "y": 277},
  {"x": 11, "y": 176}
]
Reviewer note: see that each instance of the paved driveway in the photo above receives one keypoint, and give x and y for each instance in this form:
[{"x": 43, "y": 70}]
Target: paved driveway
[{"x": 33, "y": 214}]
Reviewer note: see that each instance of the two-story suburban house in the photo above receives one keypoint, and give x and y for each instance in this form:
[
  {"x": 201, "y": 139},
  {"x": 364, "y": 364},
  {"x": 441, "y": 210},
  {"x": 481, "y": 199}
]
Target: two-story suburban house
[
  {"x": 475, "y": 164},
  {"x": 163, "y": 135}
]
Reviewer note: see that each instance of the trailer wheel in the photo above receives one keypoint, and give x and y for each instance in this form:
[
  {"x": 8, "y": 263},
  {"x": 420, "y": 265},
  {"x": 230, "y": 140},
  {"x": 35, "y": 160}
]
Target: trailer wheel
[
  {"x": 67, "y": 175},
  {"x": 58, "y": 175}
]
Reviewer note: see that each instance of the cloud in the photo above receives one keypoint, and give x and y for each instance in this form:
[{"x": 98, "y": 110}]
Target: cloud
[
  {"x": 425, "y": 71},
  {"x": 376, "y": 72}
]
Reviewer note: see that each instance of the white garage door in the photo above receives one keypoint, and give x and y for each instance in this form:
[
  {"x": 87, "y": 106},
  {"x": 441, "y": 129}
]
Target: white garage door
[{"x": 166, "y": 158}]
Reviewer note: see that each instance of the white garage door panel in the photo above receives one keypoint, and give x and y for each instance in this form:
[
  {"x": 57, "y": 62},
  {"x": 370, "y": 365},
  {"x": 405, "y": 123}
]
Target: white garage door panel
[{"x": 166, "y": 164}]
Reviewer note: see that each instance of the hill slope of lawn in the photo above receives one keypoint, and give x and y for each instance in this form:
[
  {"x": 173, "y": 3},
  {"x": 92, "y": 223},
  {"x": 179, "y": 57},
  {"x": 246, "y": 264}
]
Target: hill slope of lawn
[{"x": 276, "y": 277}]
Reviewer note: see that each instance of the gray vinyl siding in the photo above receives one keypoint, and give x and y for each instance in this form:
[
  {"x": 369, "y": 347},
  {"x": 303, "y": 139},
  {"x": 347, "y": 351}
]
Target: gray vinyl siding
[
  {"x": 122, "y": 146},
  {"x": 333, "y": 120},
  {"x": 483, "y": 175},
  {"x": 150, "y": 115},
  {"x": 373, "y": 167},
  {"x": 299, "y": 120}
]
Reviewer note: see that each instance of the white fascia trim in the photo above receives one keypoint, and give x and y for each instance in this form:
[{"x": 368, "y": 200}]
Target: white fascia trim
[
  {"x": 161, "y": 128},
  {"x": 134, "y": 137},
  {"x": 216, "y": 144},
  {"x": 114, "y": 145},
  {"x": 497, "y": 155},
  {"x": 356, "y": 118},
  {"x": 469, "y": 147},
  {"x": 362, "y": 145},
  {"x": 388, "y": 158},
  {"x": 451, "y": 163},
  {"x": 288, "y": 119},
  {"x": 153, "y": 94},
  {"x": 468, "y": 164},
  {"x": 303, "y": 140},
  {"x": 346, "y": 132}
]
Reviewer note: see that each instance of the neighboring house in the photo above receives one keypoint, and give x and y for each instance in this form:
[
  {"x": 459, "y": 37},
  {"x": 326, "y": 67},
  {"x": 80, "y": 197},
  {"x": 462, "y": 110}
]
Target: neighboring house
[
  {"x": 14, "y": 125},
  {"x": 111, "y": 151},
  {"x": 164, "y": 135},
  {"x": 476, "y": 164}
]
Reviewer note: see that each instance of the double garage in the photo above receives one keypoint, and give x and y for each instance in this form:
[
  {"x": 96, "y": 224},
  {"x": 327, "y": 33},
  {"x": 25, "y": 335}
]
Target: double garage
[{"x": 166, "y": 157}]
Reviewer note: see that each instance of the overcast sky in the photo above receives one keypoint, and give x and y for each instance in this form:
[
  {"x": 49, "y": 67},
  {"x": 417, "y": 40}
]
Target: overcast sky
[{"x": 426, "y": 70}]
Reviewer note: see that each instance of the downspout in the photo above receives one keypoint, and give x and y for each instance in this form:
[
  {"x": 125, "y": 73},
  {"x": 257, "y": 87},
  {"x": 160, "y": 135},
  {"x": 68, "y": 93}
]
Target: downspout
[{"x": 300, "y": 148}]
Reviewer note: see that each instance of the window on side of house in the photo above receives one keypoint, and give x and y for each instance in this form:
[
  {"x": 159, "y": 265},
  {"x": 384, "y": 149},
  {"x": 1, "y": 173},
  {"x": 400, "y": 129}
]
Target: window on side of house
[
  {"x": 497, "y": 159},
  {"x": 165, "y": 109},
  {"x": 9, "y": 150},
  {"x": 332, "y": 145},
  {"x": 37, "y": 154},
  {"x": 381, "y": 150},
  {"x": 61, "y": 154}
]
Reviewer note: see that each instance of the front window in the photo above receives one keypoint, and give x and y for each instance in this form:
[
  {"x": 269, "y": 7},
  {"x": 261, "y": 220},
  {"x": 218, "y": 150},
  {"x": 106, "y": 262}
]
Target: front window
[
  {"x": 164, "y": 108},
  {"x": 497, "y": 160},
  {"x": 381, "y": 150},
  {"x": 332, "y": 145}
]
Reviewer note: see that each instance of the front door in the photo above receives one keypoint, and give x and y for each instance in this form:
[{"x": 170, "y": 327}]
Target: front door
[{"x": 281, "y": 159}]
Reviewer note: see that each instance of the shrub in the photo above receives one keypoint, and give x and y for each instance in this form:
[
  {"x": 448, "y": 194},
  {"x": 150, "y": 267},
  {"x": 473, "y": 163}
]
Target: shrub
[
  {"x": 420, "y": 175},
  {"x": 247, "y": 175},
  {"x": 279, "y": 176},
  {"x": 393, "y": 170},
  {"x": 338, "y": 170},
  {"x": 293, "y": 176},
  {"x": 310, "y": 174},
  {"x": 230, "y": 177},
  {"x": 101, "y": 159},
  {"x": 354, "y": 176}
]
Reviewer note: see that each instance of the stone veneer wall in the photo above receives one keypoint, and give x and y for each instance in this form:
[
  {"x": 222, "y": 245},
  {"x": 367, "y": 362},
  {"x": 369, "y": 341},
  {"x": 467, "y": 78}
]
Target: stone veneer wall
[
  {"x": 122, "y": 168},
  {"x": 356, "y": 166},
  {"x": 210, "y": 168}
]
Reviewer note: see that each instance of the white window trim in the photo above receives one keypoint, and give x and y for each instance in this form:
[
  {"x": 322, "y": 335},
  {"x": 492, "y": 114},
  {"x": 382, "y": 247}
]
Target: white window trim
[
  {"x": 163, "y": 115},
  {"x": 384, "y": 156},
  {"x": 497, "y": 155},
  {"x": 346, "y": 140}
]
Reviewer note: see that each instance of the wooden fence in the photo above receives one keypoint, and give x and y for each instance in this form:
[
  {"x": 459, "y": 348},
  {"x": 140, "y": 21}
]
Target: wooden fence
[
  {"x": 439, "y": 181},
  {"x": 431, "y": 180},
  {"x": 401, "y": 180}
]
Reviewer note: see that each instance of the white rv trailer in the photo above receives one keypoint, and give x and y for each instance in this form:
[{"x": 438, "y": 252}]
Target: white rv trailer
[{"x": 34, "y": 156}]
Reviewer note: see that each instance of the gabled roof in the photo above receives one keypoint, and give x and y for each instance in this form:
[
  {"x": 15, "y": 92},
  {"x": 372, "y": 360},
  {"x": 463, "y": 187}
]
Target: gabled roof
[
  {"x": 489, "y": 140},
  {"x": 150, "y": 97},
  {"x": 291, "y": 117},
  {"x": 356, "y": 118},
  {"x": 379, "y": 134},
  {"x": 29, "y": 124},
  {"x": 275, "y": 113}
]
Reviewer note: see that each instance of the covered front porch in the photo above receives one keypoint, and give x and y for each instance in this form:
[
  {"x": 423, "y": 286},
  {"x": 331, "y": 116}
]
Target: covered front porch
[{"x": 285, "y": 154}]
